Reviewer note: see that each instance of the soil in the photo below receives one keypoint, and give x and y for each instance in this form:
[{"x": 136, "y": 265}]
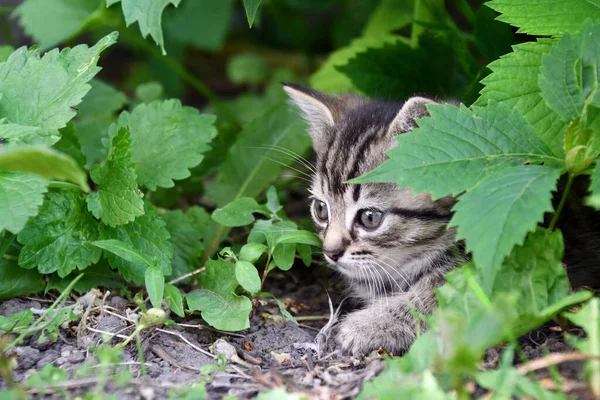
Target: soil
[{"x": 271, "y": 353}]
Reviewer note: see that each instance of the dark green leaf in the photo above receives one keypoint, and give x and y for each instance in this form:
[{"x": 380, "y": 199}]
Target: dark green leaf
[
  {"x": 16, "y": 281},
  {"x": 174, "y": 299},
  {"x": 155, "y": 283},
  {"x": 251, "y": 7}
]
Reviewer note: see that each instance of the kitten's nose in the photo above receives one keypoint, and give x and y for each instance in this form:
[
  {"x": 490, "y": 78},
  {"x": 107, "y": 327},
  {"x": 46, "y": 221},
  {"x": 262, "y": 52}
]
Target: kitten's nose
[{"x": 334, "y": 254}]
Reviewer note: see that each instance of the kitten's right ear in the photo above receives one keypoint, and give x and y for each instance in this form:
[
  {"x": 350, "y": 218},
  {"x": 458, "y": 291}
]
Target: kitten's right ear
[{"x": 319, "y": 109}]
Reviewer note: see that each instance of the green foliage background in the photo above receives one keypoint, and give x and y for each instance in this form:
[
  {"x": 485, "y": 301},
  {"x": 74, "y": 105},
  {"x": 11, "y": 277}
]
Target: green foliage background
[{"x": 137, "y": 174}]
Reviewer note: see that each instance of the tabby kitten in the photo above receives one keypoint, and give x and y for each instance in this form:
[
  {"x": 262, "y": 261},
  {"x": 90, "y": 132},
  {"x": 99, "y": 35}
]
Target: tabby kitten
[{"x": 391, "y": 245}]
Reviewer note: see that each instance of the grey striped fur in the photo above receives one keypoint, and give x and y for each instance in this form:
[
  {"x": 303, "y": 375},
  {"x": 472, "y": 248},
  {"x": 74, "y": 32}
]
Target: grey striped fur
[{"x": 397, "y": 265}]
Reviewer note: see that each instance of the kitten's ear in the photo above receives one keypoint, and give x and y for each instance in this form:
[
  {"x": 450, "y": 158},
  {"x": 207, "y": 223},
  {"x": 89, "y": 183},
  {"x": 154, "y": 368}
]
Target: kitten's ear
[
  {"x": 415, "y": 107},
  {"x": 319, "y": 109}
]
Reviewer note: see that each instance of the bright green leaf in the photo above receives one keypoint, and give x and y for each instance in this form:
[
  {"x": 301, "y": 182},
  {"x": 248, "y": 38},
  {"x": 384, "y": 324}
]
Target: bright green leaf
[
  {"x": 118, "y": 200},
  {"x": 545, "y": 17},
  {"x": 38, "y": 93},
  {"x": 247, "y": 276},
  {"x": 43, "y": 161},
  {"x": 5, "y": 52},
  {"x": 304, "y": 237},
  {"x": 149, "y": 92},
  {"x": 238, "y": 212},
  {"x": 594, "y": 197},
  {"x": 247, "y": 68},
  {"x": 148, "y": 15},
  {"x": 251, "y": 7},
  {"x": 155, "y": 284},
  {"x": 122, "y": 249},
  {"x": 16, "y": 281},
  {"x": 16, "y": 322},
  {"x": 50, "y": 22},
  {"x": 251, "y": 252},
  {"x": 456, "y": 148},
  {"x": 273, "y": 203},
  {"x": 60, "y": 237},
  {"x": 174, "y": 299},
  {"x": 168, "y": 139},
  {"x": 21, "y": 195},
  {"x": 216, "y": 299},
  {"x": 498, "y": 212},
  {"x": 305, "y": 253}
]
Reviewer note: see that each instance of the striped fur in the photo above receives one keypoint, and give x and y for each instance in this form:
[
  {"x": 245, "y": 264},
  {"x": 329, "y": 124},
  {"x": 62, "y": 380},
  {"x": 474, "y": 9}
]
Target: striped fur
[{"x": 397, "y": 265}]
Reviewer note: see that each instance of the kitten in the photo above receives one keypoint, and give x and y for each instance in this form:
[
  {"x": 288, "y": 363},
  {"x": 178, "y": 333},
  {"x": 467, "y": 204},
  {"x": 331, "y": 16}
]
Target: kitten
[{"x": 391, "y": 245}]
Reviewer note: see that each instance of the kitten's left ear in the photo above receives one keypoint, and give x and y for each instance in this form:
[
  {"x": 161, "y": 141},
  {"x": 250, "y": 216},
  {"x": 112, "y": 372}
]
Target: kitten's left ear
[{"x": 415, "y": 107}]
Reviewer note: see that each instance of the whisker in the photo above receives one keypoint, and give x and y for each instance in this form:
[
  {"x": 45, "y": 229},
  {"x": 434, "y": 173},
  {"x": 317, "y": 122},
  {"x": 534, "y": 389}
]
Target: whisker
[
  {"x": 289, "y": 166},
  {"x": 292, "y": 154}
]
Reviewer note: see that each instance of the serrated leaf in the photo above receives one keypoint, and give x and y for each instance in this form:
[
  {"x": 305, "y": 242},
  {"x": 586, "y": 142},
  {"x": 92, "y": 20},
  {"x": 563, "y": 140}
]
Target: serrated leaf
[
  {"x": 251, "y": 252},
  {"x": 148, "y": 15},
  {"x": 50, "y": 22},
  {"x": 118, "y": 200},
  {"x": 238, "y": 212},
  {"x": 187, "y": 230},
  {"x": 594, "y": 198},
  {"x": 39, "y": 93},
  {"x": 155, "y": 284},
  {"x": 570, "y": 72},
  {"x": 545, "y": 17},
  {"x": 456, "y": 148},
  {"x": 43, "y": 161},
  {"x": 251, "y": 7},
  {"x": 21, "y": 195},
  {"x": 216, "y": 299},
  {"x": 60, "y": 237},
  {"x": 122, "y": 249},
  {"x": 174, "y": 299},
  {"x": 16, "y": 281},
  {"x": 247, "y": 276},
  {"x": 148, "y": 235},
  {"x": 514, "y": 82},
  {"x": 94, "y": 116},
  {"x": 168, "y": 140},
  {"x": 500, "y": 211}
]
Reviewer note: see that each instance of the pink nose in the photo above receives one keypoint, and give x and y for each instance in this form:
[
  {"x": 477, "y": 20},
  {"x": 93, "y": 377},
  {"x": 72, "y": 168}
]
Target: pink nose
[{"x": 334, "y": 254}]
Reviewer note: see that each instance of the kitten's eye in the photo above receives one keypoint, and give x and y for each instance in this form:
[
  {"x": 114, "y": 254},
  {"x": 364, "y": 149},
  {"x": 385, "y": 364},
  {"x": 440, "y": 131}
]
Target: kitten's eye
[
  {"x": 371, "y": 219},
  {"x": 321, "y": 211}
]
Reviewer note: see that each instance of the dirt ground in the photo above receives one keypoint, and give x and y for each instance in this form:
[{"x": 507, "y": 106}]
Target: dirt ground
[{"x": 270, "y": 354}]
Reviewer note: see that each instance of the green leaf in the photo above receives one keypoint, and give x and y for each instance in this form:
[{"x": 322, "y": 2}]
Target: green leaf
[
  {"x": 251, "y": 7},
  {"x": 187, "y": 231},
  {"x": 94, "y": 116},
  {"x": 5, "y": 52},
  {"x": 149, "y": 237},
  {"x": 593, "y": 199},
  {"x": 174, "y": 299},
  {"x": 16, "y": 281},
  {"x": 16, "y": 322},
  {"x": 44, "y": 162},
  {"x": 122, "y": 249},
  {"x": 251, "y": 252},
  {"x": 69, "y": 144},
  {"x": 273, "y": 203},
  {"x": 155, "y": 284},
  {"x": 202, "y": 24},
  {"x": 247, "y": 276},
  {"x": 118, "y": 200},
  {"x": 284, "y": 312},
  {"x": 247, "y": 68},
  {"x": 545, "y": 17},
  {"x": 514, "y": 82},
  {"x": 304, "y": 237},
  {"x": 50, "y": 22},
  {"x": 95, "y": 276},
  {"x": 456, "y": 148},
  {"x": 168, "y": 139},
  {"x": 38, "y": 93},
  {"x": 493, "y": 38},
  {"x": 284, "y": 253},
  {"x": 60, "y": 237},
  {"x": 220, "y": 306},
  {"x": 498, "y": 212},
  {"x": 149, "y": 92},
  {"x": 238, "y": 212},
  {"x": 148, "y": 15},
  {"x": 569, "y": 75},
  {"x": 21, "y": 195},
  {"x": 305, "y": 253}
]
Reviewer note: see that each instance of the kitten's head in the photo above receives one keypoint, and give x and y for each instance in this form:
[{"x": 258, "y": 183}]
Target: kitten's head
[{"x": 374, "y": 233}]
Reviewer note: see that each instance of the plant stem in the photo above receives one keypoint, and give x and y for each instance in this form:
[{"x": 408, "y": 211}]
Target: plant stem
[
  {"x": 479, "y": 292},
  {"x": 262, "y": 282},
  {"x": 64, "y": 185},
  {"x": 138, "y": 345},
  {"x": 563, "y": 200}
]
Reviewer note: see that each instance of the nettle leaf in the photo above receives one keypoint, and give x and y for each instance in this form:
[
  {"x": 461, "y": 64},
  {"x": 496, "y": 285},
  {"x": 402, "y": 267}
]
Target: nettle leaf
[
  {"x": 38, "y": 93},
  {"x": 149, "y": 237},
  {"x": 50, "y": 22},
  {"x": 570, "y": 72},
  {"x": 155, "y": 283},
  {"x": 456, "y": 148},
  {"x": 94, "y": 116},
  {"x": 247, "y": 276},
  {"x": 216, "y": 299},
  {"x": 60, "y": 237},
  {"x": 168, "y": 140},
  {"x": 187, "y": 231},
  {"x": 251, "y": 7},
  {"x": 21, "y": 195},
  {"x": 545, "y": 17},
  {"x": 148, "y": 15},
  {"x": 514, "y": 82},
  {"x": 594, "y": 198},
  {"x": 118, "y": 200},
  {"x": 498, "y": 212},
  {"x": 174, "y": 299},
  {"x": 16, "y": 281},
  {"x": 238, "y": 212},
  {"x": 43, "y": 161}
]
